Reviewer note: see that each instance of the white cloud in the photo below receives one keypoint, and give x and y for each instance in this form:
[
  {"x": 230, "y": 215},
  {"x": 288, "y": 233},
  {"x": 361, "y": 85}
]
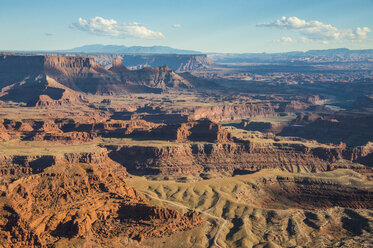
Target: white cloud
[
  {"x": 284, "y": 40},
  {"x": 176, "y": 26},
  {"x": 287, "y": 40},
  {"x": 304, "y": 39},
  {"x": 110, "y": 27},
  {"x": 362, "y": 32},
  {"x": 316, "y": 30}
]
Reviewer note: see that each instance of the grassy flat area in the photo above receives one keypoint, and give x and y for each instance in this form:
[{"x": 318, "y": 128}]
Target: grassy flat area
[
  {"x": 145, "y": 143},
  {"x": 133, "y": 142},
  {"x": 30, "y": 148},
  {"x": 275, "y": 119},
  {"x": 33, "y": 148},
  {"x": 171, "y": 101},
  {"x": 258, "y": 137},
  {"x": 16, "y": 112}
]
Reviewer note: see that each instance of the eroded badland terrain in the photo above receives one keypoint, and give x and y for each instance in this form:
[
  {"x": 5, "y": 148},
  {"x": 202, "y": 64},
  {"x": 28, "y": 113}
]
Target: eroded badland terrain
[{"x": 216, "y": 152}]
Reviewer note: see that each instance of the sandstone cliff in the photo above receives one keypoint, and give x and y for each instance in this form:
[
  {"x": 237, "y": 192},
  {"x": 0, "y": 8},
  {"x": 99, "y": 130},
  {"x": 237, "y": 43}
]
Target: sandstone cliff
[
  {"x": 87, "y": 201},
  {"x": 175, "y": 61},
  {"x": 41, "y": 91},
  {"x": 232, "y": 112},
  {"x": 237, "y": 158},
  {"x": 85, "y": 75}
]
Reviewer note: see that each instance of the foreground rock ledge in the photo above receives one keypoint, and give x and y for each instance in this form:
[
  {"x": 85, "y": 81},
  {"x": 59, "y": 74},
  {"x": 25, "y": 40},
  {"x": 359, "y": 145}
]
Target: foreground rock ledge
[{"x": 68, "y": 203}]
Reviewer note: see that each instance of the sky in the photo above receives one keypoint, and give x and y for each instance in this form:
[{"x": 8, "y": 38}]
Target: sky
[{"x": 230, "y": 26}]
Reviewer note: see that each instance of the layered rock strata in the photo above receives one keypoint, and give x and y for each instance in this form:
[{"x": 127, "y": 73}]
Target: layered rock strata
[
  {"x": 237, "y": 158},
  {"x": 67, "y": 203}
]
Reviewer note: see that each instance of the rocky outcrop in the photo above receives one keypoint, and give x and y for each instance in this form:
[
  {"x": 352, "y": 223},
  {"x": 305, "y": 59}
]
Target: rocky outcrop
[
  {"x": 13, "y": 167},
  {"x": 234, "y": 158},
  {"x": 70, "y": 131},
  {"x": 307, "y": 193},
  {"x": 232, "y": 112},
  {"x": 3, "y": 133},
  {"x": 41, "y": 91},
  {"x": 193, "y": 131},
  {"x": 266, "y": 127},
  {"x": 112, "y": 129},
  {"x": 175, "y": 61},
  {"x": 117, "y": 65},
  {"x": 85, "y": 201},
  {"x": 14, "y": 232},
  {"x": 203, "y": 130},
  {"x": 199, "y": 146},
  {"x": 70, "y": 137},
  {"x": 154, "y": 78},
  {"x": 250, "y": 109},
  {"x": 83, "y": 74},
  {"x": 21, "y": 66}
]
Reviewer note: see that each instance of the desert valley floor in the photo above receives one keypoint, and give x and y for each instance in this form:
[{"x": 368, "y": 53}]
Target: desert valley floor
[{"x": 197, "y": 153}]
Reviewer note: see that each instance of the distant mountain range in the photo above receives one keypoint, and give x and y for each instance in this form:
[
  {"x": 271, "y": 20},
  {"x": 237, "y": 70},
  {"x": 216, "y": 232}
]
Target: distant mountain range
[
  {"x": 339, "y": 54},
  {"x": 98, "y": 48},
  {"x": 332, "y": 52}
]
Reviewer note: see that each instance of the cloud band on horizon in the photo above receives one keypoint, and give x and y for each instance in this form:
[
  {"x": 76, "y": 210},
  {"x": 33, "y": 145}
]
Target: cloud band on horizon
[{"x": 316, "y": 30}]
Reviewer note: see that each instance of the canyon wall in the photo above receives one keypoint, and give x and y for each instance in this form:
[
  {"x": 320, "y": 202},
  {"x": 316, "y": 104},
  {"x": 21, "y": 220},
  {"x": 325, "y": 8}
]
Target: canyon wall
[
  {"x": 232, "y": 112},
  {"x": 176, "y": 62},
  {"x": 234, "y": 158}
]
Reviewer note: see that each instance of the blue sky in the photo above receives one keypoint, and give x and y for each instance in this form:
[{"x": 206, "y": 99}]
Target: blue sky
[{"x": 234, "y": 26}]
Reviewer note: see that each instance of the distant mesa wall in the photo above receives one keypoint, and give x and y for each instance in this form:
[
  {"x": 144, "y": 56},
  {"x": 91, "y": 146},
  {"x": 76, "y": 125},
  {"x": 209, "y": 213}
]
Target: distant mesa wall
[
  {"x": 40, "y": 63},
  {"x": 188, "y": 148},
  {"x": 232, "y": 112},
  {"x": 83, "y": 74},
  {"x": 69, "y": 131},
  {"x": 176, "y": 62},
  {"x": 69, "y": 71},
  {"x": 195, "y": 158},
  {"x": 202, "y": 130}
]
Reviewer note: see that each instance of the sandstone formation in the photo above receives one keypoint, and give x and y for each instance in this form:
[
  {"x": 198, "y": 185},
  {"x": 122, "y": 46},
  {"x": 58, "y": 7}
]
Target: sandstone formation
[
  {"x": 274, "y": 208},
  {"x": 199, "y": 146},
  {"x": 90, "y": 156},
  {"x": 151, "y": 79},
  {"x": 307, "y": 193},
  {"x": 266, "y": 127},
  {"x": 176, "y": 62},
  {"x": 68, "y": 202},
  {"x": 232, "y": 112},
  {"x": 194, "y": 131},
  {"x": 234, "y": 158},
  {"x": 13, "y": 167},
  {"x": 85, "y": 75},
  {"x": 70, "y": 131},
  {"x": 117, "y": 65},
  {"x": 41, "y": 91}
]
